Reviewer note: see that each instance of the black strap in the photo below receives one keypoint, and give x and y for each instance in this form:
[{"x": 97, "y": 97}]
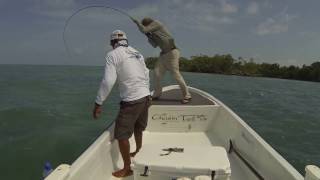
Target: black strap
[
  {"x": 213, "y": 173},
  {"x": 145, "y": 173}
]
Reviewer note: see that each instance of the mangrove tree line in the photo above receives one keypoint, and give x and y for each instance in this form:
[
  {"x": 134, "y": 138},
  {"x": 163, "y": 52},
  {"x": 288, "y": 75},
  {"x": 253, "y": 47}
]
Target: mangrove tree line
[{"x": 226, "y": 64}]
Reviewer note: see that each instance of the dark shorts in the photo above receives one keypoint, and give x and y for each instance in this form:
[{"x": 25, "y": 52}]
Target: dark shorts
[{"x": 133, "y": 116}]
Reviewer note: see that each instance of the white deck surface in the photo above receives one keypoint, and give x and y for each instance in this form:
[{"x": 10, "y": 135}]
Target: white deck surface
[{"x": 189, "y": 139}]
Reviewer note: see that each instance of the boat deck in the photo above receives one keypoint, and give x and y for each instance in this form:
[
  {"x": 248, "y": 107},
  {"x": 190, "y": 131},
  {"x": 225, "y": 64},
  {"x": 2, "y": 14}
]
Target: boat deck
[
  {"x": 174, "y": 96},
  {"x": 189, "y": 139},
  {"x": 182, "y": 139},
  {"x": 202, "y": 123}
]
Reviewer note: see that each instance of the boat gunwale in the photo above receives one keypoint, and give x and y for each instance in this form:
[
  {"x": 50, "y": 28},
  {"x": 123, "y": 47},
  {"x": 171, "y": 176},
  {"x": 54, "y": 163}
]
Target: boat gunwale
[{"x": 290, "y": 169}]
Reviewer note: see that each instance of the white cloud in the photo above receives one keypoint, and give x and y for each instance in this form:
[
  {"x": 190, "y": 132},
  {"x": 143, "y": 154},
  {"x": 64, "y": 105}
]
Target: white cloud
[
  {"x": 272, "y": 26},
  {"x": 307, "y": 34},
  {"x": 267, "y": 4},
  {"x": 204, "y": 18},
  {"x": 144, "y": 10},
  {"x": 228, "y": 7},
  {"x": 275, "y": 25},
  {"x": 190, "y": 14},
  {"x": 53, "y": 8},
  {"x": 202, "y": 15},
  {"x": 253, "y": 8}
]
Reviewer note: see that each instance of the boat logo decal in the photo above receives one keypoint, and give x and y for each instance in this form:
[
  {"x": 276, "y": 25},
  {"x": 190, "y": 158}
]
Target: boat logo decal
[{"x": 180, "y": 117}]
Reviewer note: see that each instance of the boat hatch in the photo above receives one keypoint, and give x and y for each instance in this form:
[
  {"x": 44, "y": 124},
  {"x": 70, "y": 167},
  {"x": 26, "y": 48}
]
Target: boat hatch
[{"x": 158, "y": 162}]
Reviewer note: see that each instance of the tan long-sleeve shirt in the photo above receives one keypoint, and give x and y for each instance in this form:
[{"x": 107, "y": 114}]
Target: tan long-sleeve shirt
[{"x": 158, "y": 35}]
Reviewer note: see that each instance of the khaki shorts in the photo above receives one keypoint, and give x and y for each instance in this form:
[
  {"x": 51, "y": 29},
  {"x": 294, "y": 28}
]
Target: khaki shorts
[{"x": 133, "y": 116}]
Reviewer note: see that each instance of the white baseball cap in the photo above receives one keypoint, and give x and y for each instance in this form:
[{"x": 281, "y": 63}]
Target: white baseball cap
[{"x": 118, "y": 34}]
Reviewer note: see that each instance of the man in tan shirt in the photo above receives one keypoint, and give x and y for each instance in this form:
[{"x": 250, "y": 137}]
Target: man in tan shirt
[{"x": 158, "y": 35}]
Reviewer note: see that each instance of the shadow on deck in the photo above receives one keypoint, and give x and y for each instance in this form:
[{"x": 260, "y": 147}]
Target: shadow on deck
[{"x": 174, "y": 96}]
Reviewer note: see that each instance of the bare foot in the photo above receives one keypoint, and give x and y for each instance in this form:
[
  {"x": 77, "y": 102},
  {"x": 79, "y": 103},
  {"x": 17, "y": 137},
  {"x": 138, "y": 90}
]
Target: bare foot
[{"x": 122, "y": 173}]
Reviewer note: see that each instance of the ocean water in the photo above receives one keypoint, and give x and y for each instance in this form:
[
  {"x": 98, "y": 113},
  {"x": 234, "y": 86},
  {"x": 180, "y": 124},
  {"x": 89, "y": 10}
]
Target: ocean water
[{"x": 46, "y": 114}]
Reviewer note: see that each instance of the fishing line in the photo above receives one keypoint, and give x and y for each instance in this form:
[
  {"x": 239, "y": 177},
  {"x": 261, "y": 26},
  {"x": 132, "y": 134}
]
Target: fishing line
[{"x": 83, "y": 9}]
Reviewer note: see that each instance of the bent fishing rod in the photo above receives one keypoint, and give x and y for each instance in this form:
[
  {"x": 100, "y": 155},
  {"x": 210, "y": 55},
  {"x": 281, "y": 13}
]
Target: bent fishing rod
[{"x": 83, "y": 9}]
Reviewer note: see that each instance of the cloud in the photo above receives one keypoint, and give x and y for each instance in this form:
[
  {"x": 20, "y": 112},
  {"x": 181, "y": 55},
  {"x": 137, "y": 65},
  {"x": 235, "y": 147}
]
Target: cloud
[
  {"x": 272, "y": 26},
  {"x": 202, "y": 15},
  {"x": 144, "y": 10},
  {"x": 307, "y": 34},
  {"x": 267, "y": 4},
  {"x": 228, "y": 7},
  {"x": 275, "y": 25},
  {"x": 189, "y": 14},
  {"x": 53, "y": 8},
  {"x": 253, "y": 8},
  {"x": 181, "y": 16}
]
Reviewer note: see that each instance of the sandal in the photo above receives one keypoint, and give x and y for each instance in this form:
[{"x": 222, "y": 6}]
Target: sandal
[{"x": 186, "y": 100}]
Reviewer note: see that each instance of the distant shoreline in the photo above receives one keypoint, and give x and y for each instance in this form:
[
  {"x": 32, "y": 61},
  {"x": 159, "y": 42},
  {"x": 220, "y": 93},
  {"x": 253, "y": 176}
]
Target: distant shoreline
[{"x": 227, "y": 65}]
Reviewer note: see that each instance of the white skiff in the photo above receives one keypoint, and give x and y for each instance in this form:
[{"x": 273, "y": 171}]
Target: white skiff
[{"x": 215, "y": 142}]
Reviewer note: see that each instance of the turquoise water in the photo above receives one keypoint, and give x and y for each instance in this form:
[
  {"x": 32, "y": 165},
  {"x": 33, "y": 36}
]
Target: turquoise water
[{"x": 45, "y": 114}]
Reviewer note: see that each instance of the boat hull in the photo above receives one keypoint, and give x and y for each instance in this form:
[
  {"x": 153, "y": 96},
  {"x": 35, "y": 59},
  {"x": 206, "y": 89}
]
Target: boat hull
[{"x": 184, "y": 125}]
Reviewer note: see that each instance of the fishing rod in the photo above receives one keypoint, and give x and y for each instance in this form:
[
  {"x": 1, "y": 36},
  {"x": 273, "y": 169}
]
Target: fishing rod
[{"x": 83, "y": 9}]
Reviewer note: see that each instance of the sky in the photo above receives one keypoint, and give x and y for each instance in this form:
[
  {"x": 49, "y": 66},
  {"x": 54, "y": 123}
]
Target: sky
[{"x": 272, "y": 31}]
